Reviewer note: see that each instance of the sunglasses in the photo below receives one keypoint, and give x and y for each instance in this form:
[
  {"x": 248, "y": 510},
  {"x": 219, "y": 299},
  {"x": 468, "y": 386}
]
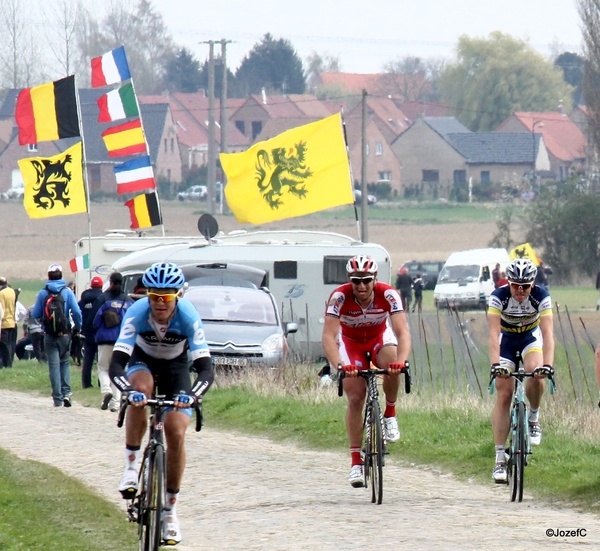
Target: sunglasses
[
  {"x": 524, "y": 286},
  {"x": 162, "y": 297},
  {"x": 359, "y": 280}
]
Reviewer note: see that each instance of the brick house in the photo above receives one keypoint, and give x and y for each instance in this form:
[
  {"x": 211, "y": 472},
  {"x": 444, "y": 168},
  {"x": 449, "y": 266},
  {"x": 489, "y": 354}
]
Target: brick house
[{"x": 565, "y": 142}]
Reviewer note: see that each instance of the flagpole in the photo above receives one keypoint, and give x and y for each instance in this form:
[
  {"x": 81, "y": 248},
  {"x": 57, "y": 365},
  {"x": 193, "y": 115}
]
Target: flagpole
[
  {"x": 85, "y": 177},
  {"x": 162, "y": 226},
  {"x": 350, "y": 168}
]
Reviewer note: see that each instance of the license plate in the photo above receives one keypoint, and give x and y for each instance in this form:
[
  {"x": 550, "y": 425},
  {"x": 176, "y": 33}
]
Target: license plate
[{"x": 224, "y": 360}]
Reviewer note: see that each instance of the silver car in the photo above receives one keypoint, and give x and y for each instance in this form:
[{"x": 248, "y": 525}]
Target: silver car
[{"x": 242, "y": 325}]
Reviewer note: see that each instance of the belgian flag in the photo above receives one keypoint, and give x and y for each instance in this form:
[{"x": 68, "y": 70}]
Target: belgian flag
[
  {"x": 47, "y": 112},
  {"x": 144, "y": 211}
]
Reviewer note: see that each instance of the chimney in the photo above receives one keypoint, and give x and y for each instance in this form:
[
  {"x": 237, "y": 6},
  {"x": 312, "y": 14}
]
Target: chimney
[
  {"x": 264, "y": 96},
  {"x": 560, "y": 108}
]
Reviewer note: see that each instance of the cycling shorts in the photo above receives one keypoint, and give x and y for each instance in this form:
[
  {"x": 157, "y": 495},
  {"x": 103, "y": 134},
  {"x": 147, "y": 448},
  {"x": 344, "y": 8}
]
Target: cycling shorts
[
  {"x": 171, "y": 377},
  {"x": 357, "y": 353},
  {"x": 511, "y": 343}
]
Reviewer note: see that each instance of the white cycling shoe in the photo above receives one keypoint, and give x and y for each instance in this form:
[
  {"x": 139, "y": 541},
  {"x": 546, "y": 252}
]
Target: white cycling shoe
[
  {"x": 128, "y": 486},
  {"x": 535, "y": 433},
  {"x": 170, "y": 528},
  {"x": 356, "y": 478},
  {"x": 392, "y": 432},
  {"x": 500, "y": 474}
]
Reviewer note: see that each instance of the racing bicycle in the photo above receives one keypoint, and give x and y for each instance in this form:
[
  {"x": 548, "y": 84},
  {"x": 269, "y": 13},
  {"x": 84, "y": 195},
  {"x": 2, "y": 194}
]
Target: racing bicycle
[
  {"x": 146, "y": 507},
  {"x": 375, "y": 445},
  {"x": 519, "y": 447}
]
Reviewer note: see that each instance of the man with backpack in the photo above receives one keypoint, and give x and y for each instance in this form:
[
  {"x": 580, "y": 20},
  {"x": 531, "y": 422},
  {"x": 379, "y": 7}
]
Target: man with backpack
[
  {"x": 109, "y": 308},
  {"x": 90, "y": 347},
  {"x": 55, "y": 306}
]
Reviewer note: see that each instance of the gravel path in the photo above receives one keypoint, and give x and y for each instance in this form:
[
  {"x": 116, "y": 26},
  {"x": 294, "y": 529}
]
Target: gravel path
[{"x": 250, "y": 493}]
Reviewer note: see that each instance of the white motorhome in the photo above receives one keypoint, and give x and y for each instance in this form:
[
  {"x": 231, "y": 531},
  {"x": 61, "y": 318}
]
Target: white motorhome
[
  {"x": 303, "y": 268},
  {"x": 105, "y": 250},
  {"x": 466, "y": 278}
]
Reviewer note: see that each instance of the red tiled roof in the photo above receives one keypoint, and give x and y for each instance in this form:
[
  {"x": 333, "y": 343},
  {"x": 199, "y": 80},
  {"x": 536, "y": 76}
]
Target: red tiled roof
[
  {"x": 412, "y": 109},
  {"x": 310, "y": 105},
  {"x": 392, "y": 121},
  {"x": 278, "y": 106},
  {"x": 190, "y": 113},
  {"x": 561, "y": 136}
]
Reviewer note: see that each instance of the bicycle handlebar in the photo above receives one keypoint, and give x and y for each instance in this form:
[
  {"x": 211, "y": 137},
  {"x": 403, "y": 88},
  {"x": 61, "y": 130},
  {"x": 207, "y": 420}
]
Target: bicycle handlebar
[
  {"x": 366, "y": 373},
  {"x": 160, "y": 402},
  {"x": 547, "y": 371}
]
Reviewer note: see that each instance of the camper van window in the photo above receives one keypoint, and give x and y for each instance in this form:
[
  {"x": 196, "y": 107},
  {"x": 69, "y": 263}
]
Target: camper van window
[
  {"x": 334, "y": 270},
  {"x": 285, "y": 269},
  {"x": 459, "y": 274}
]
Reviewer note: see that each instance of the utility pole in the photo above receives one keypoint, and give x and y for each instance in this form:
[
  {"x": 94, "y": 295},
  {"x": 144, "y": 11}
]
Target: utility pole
[
  {"x": 224, "y": 118},
  {"x": 364, "y": 229},
  {"x": 212, "y": 153}
]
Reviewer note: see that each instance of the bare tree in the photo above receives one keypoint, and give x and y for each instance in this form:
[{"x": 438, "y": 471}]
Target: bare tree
[
  {"x": 19, "y": 57},
  {"x": 589, "y": 11},
  {"x": 316, "y": 63},
  {"x": 407, "y": 78},
  {"x": 141, "y": 30},
  {"x": 64, "y": 18}
]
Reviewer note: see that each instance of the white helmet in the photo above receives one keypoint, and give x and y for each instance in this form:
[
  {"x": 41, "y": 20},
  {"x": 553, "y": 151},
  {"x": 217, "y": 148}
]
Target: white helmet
[
  {"x": 521, "y": 270},
  {"x": 361, "y": 264}
]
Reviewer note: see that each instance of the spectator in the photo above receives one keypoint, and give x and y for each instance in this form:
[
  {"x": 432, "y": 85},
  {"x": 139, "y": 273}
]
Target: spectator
[
  {"x": 90, "y": 347},
  {"x": 418, "y": 288},
  {"x": 57, "y": 340},
  {"x": 543, "y": 271},
  {"x": 404, "y": 285},
  {"x": 139, "y": 290},
  {"x": 35, "y": 332},
  {"x": 502, "y": 281},
  {"x": 8, "y": 334},
  {"x": 496, "y": 275},
  {"x": 109, "y": 308}
]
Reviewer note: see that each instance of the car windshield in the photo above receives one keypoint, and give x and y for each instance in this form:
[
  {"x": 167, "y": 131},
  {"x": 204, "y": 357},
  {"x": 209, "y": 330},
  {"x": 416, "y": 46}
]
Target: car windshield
[
  {"x": 233, "y": 304},
  {"x": 459, "y": 274}
]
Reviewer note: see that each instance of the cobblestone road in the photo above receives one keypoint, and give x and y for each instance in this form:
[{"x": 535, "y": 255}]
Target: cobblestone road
[{"x": 249, "y": 493}]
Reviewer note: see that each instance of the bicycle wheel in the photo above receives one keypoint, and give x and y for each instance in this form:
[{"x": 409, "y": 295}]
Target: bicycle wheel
[
  {"x": 375, "y": 451},
  {"x": 150, "y": 527},
  {"x": 367, "y": 428},
  {"x": 517, "y": 453}
]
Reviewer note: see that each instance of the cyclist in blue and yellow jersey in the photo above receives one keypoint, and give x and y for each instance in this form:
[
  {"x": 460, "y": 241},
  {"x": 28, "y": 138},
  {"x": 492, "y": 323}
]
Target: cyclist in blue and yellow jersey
[
  {"x": 156, "y": 334},
  {"x": 519, "y": 320}
]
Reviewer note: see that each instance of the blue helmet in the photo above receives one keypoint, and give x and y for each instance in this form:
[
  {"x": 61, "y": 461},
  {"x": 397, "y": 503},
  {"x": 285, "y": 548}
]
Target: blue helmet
[{"x": 163, "y": 275}]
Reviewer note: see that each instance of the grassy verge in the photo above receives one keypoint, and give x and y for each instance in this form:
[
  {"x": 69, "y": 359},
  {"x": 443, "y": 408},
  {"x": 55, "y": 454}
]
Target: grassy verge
[{"x": 42, "y": 509}]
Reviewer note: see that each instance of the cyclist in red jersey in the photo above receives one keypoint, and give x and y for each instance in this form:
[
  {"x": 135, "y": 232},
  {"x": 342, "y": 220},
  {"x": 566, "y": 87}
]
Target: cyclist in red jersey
[{"x": 365, "y": 319}]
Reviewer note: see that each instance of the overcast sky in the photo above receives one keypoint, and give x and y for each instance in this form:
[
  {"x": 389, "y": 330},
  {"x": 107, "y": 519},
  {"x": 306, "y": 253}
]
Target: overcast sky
[{"x": 365, "y": 35}]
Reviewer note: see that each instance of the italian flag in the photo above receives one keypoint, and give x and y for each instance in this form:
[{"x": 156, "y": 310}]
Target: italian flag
[
  {"x": 79, "y": 263},
  {"x": 118, "y": 104}
]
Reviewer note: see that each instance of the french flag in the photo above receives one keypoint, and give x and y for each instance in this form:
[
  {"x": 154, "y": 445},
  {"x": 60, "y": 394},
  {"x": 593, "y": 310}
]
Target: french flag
[
  {"x": 135, "y": 175},
  {"x": 110, "y": 68}
]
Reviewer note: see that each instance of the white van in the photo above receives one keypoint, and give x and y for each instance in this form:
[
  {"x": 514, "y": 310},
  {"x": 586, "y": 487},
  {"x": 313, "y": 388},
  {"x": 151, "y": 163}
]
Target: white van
[{"x": 466, "y": 278}]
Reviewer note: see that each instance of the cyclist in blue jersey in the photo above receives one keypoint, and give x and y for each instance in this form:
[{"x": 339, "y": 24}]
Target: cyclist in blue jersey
[
  {"x": 156, "y": 334},
  {"x": 519, "y": 320}
]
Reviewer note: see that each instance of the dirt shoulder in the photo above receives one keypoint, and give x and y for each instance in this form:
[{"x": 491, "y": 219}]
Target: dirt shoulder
[{"x": 244, "y": 493}]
